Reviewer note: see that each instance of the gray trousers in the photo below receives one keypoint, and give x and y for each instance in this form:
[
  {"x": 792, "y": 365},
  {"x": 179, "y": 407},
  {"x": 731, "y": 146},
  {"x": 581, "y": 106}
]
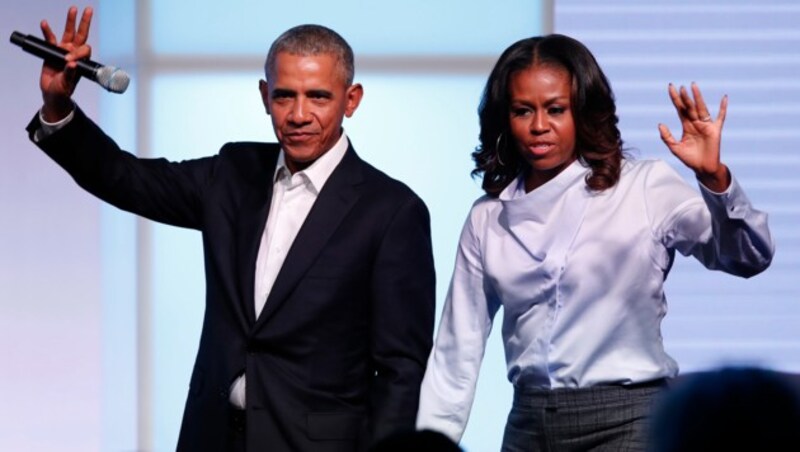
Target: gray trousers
[{"x": 599, "y": 418}]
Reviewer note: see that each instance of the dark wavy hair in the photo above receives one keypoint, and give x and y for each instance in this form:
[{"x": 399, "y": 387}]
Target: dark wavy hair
[{"x": 598, "y": 143}]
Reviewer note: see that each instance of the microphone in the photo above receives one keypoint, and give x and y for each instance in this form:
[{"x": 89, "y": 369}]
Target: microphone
[{"x": 111, "y": 78}]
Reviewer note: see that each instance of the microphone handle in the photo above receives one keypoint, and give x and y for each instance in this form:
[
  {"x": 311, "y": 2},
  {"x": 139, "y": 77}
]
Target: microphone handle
[{"x": 52, "y": 54}]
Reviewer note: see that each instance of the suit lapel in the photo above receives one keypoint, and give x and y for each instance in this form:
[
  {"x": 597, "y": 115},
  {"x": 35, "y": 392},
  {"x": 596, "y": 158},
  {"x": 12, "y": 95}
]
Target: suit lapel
[
  {"x": 335, "y": 200},
  {"x": 253, "y": 218}
]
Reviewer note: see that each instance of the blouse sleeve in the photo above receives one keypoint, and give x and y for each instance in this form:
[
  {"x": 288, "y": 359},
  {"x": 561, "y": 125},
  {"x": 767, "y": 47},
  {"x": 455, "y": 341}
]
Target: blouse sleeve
[
  {"x": 721, "y": 230},
  {"x": 448, "y": 387}
]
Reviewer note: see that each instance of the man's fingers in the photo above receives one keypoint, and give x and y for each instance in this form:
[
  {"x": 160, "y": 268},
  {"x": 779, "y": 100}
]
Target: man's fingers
[
  {"x": 78, "y": 53},
  {"x": 83, "y": 27},
  {"x": 71, "y": 72},
  {"x": 47, "y": 33},
  {"x": 69, "y": 27}
]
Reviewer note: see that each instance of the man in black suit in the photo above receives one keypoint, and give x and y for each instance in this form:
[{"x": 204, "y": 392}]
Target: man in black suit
[{"x": 319, "y": 272}]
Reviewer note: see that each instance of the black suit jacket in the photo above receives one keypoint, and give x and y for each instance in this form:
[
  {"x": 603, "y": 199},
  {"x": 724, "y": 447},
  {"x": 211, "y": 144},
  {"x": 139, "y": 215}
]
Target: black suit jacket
[{"x": 335, "y": 360}]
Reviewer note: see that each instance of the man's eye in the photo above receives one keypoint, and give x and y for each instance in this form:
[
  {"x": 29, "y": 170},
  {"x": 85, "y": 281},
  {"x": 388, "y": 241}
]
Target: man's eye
[
  {"x": 323, "y": 96},
  {"x": 281, "y": 95}
]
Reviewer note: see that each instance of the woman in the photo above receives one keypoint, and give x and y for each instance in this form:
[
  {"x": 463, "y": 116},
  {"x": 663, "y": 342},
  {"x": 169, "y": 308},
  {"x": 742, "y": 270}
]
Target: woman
[{"x": 574, "y": 241}]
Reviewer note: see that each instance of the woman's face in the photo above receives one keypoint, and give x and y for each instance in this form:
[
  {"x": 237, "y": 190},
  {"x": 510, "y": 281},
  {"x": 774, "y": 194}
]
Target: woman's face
[{"x": 540, "y": 118}]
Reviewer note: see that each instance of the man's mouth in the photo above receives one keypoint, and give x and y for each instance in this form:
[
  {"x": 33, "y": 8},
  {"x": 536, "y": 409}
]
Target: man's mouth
[{"x": 297, "y": 137}]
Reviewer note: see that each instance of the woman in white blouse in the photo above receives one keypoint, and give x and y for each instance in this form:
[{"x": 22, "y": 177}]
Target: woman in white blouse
[{"x": 574, "y": 241}]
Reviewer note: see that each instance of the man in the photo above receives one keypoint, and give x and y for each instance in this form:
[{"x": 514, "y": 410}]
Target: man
[{"x": 319, "y": 272}]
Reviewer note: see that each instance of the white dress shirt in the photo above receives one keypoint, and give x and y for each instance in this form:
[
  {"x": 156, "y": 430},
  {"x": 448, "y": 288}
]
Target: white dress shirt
[
  {"x": 580, "y": 276},
  {"x": 293, "y": 195}
]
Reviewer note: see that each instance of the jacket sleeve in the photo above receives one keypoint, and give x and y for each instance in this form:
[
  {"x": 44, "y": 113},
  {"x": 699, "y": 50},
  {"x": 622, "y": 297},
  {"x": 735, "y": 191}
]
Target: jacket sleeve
[
  {"x": 163, "y": 191},
  {"x": 403, "y": 290}
]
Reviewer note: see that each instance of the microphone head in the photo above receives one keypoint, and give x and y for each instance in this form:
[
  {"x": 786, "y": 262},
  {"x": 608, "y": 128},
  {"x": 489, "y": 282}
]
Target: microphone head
[{"x": 113, "y": 79}]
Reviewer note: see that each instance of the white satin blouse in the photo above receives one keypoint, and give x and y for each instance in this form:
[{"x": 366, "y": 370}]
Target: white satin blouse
[{"x": 580, "y": 277}]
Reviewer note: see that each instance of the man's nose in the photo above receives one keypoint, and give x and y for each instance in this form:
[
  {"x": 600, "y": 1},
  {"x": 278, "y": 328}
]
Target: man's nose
[{"x": 300, "y": 112}]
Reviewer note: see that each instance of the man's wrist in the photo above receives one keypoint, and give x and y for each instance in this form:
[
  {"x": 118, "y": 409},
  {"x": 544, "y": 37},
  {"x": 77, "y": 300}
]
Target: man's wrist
[
  {"x": 55, "y": 111},
  {"x": 47, "y": 128}
]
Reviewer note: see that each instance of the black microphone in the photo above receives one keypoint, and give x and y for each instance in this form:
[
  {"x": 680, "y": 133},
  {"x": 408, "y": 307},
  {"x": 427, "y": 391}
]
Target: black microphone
[{"x": 109, "y": 77}]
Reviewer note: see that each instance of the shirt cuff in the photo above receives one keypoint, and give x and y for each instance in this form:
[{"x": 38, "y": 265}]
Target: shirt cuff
[
  {"x": 732, "y": 203},
  {"x": 48, "y": 128}
]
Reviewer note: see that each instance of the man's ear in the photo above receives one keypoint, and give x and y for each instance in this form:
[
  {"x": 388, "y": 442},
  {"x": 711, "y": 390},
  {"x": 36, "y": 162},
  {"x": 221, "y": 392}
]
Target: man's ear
[
  {"x": 354, "y": 94},
  {"x": 264, "y": 89}
]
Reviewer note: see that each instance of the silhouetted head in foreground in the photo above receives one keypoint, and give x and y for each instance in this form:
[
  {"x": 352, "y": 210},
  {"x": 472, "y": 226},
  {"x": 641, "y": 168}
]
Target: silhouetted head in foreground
[
  {"x": 728, "y": 409},
  {"x": 418, "y": 441}
]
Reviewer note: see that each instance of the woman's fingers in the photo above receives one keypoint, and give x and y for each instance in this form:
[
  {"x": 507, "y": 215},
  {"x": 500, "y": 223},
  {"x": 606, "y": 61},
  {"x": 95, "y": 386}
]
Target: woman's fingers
[{"x": 690, "y": 108}]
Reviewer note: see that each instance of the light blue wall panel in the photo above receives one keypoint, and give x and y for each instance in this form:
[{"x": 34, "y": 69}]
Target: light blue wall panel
[{"x": 371, "y": 27}]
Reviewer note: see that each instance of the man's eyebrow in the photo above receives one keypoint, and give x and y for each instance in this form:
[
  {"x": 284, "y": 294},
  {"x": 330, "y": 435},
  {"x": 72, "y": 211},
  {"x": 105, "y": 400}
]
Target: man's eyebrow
[
  {"x": 282, "y": 92},
  {"x": 319, "y": 93}
]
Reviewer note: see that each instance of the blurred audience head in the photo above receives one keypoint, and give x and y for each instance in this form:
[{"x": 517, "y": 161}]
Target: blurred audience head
[
  {"x": 731, "y": 408},
  {"x": 416, "y": 441}
]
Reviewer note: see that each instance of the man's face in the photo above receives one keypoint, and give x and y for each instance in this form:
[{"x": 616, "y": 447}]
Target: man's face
[{"x": 307, "y": 98}]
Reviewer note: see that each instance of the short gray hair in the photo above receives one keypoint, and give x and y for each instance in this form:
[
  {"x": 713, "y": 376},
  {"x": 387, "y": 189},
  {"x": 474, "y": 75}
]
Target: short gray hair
[{"x": 312, "y": 39}]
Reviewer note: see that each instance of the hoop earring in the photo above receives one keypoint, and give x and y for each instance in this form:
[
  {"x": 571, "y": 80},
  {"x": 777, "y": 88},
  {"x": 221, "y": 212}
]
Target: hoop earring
[{"x": 497, "y": 149}]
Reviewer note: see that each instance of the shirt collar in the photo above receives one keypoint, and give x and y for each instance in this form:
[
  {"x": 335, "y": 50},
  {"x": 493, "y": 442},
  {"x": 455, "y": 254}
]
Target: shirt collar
[
  {"x": 318, "y": 172},
  {"x": 550, "y": 190},
  {"x": 537, "y": 205}
]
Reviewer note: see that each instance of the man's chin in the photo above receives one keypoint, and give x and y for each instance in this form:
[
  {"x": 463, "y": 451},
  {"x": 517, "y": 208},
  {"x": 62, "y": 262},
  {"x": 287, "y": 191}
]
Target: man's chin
[
  {"x": 301, "y": 153},
  {"x": 301, "y": 156}
]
